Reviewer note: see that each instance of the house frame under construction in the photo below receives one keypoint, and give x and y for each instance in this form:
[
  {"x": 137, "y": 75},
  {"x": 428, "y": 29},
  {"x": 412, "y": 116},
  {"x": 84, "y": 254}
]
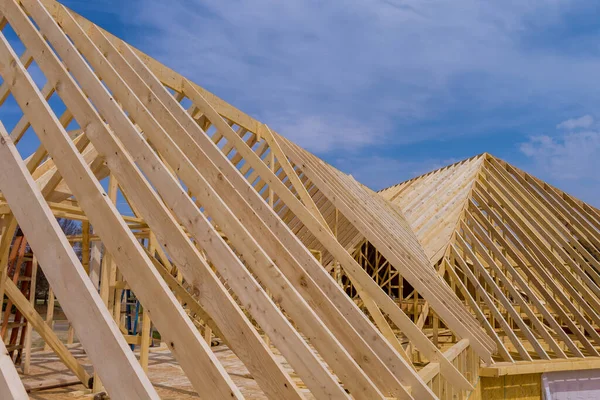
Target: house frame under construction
[{"x": 236, "y": 233}]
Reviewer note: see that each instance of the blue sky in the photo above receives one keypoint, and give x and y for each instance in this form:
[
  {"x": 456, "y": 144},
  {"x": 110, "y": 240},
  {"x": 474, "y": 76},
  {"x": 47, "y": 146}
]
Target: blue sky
[{"x": 386, "y": 90}]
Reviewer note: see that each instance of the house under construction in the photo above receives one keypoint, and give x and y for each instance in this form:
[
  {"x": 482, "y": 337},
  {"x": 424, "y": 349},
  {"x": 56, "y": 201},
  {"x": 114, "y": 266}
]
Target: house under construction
[{"x": 257, "y": 269}]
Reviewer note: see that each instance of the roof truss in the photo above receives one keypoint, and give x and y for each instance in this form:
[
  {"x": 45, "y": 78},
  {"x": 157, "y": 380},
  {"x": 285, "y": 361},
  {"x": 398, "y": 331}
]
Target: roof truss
[
  {"x": 230, "y": 223},
  {"x": 521, "y": 254}
]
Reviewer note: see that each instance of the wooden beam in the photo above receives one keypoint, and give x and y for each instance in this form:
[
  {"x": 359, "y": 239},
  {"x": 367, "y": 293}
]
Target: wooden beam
[
  {"x": 544, "y": 268},
  {"x": 462, "y": 287},
  {"x": 292, "y": 174},
  {"x": 487, "y": 299},
  {"x": 378, "y": 372},
  {"x": 11, "y": 386},
  {"x": 248, "y": 345},
  {"x": 481, "y": 240},
  {"x": 80, "y": 302},
  {"x": 428, "y": 372},
  {"x": 196, "y": 358},
  {"x": 516, "y": 251},
  {"x": 216, "y": 180},
  {"x": 29, "y": 330},
  {"x": 45, "y": 332},
  {"x": 539, "y": 367},
  {"x": 356, "y": 204},
  {"x": 476, "y": 249}
]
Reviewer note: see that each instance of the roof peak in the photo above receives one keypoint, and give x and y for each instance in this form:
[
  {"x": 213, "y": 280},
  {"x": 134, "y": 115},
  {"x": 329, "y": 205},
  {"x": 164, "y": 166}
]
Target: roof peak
[{"x": 480, "y": 155}]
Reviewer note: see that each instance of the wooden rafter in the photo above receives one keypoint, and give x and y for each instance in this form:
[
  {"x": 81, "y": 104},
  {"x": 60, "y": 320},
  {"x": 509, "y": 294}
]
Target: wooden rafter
[
  {"x": 523, "y": 254},
  {"x": 239, "y": 233}
]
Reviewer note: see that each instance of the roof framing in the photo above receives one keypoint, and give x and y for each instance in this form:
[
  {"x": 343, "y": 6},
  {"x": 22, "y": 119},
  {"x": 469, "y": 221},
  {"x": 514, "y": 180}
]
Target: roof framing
[
  {"x": 522, "y": 254},
  {"x": 228, "y": 219}
]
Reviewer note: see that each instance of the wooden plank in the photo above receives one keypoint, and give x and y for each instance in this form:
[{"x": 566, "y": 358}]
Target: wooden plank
[
  {"x": 355, "y": 204},
  {"x": 11, "y": 386},
  {"x": 215, "y": 178},
  {"x": 45, "y": 332},
  {"x": 23, "y": 124},
  {"x": 49, "y": 320},
  {"x": 80, "y": 302},
  {"x": 196, "y": 358},
  {"x": 191, "y": 303},
  {"x": 29, "y": 331},
  {"x": 356, "y": 346},
  {"x": 291, "y": 174},
  {"x": 85, "y": 246},
  {"x": 6, "y": 253},
  {"x": 95, "y": 262},
  {"x": 249, "y": 345},
  {"x": 432, "y": 369},
  {"x": 546, "y": 279},
  {"x": 539, "y": 366},
  {"x": 26, "y": 59},
  {"x": 522, "y": 285}
]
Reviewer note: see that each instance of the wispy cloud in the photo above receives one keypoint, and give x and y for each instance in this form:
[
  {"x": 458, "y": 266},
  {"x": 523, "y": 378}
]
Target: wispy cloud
[
  {"x": 388, "y": 89},
  {"x": 381, "y": 66},
  {"x": 570, "y": 158},
  {"x": 326, "y": 134},
  {"x": 582, "y": 122},
  {"x": 95, "y": 8}
]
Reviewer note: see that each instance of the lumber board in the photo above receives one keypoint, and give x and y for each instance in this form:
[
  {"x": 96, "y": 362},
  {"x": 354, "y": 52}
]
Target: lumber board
[
  {"x": 195, "y": 357},
  {"x": 11, "y": 386},
  {"x": 78, "y": 298}
]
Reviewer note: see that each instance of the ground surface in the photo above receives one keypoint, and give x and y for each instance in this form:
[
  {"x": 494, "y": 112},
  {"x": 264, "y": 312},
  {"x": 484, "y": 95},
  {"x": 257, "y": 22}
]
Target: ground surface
[{"x": 164, "y": 372}]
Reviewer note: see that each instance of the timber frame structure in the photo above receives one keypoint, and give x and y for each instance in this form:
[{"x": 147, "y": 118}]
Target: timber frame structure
[
  {"x": 522, "y": 255},
  {"x": 238, "y": 233}
]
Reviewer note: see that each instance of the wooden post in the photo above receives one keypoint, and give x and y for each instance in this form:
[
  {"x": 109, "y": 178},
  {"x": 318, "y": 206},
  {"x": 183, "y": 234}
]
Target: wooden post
[
  {"x": 32, "y": 287},
  {"x": 11, "y": 386},
  {"x": 207, "y": 333},
  {"x": 145, "y": 343},
  {"x": 50, "y": 314},
  {"x": 95, "y": 263},
  {"x": 436, "y": 323},
  {"x": 25, "y": 307},
  {"x": 146, "y": 321},
  {"x": 85, "y": 246},
  {"x": 70, "y": 334},
  {"x": 8, "y": 231}
]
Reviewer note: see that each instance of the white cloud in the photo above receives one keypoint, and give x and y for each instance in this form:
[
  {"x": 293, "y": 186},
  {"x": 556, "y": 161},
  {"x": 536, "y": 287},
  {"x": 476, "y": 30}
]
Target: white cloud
[
  {"x": 572, "y": 156},
  {"x": 319, "y": 134},
  {"x": 569, "y": 160},
  {"x": 379, "y": 64},
  {"x": 582, "y": 122},
  {"x": 353, "y": 81}
]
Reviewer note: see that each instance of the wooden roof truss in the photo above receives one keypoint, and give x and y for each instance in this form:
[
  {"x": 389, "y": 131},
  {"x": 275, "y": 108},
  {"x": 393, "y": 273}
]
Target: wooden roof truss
[
  {"x": 523, "y": 255},
  {"x": 230, "y": 223}
]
